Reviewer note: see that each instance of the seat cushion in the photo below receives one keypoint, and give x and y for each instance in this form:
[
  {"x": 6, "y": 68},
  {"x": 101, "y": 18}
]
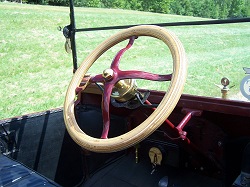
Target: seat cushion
[{"x": 13, "y": 173}]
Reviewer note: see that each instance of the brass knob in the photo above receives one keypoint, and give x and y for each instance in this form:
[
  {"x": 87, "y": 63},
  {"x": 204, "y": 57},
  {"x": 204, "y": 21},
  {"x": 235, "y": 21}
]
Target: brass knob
[{"x": 108, "y": 74}]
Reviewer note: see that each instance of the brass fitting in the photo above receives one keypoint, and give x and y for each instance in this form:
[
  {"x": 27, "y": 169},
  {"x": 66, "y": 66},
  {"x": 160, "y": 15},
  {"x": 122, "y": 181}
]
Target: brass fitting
[{"x": 124, "y": 90}]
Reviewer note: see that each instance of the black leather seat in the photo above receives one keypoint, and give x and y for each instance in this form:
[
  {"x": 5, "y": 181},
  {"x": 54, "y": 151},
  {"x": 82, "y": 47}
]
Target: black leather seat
[{"x": 13, "y": 173}]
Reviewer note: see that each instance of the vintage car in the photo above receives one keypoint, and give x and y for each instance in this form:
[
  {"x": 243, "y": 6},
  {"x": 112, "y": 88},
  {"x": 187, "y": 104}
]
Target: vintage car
[{"x": 111, "y": 132}]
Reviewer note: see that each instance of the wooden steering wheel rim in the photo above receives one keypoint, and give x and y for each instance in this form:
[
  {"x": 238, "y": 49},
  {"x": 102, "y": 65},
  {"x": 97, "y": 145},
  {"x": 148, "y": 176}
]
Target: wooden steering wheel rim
[{"x": 160, "y": 114}]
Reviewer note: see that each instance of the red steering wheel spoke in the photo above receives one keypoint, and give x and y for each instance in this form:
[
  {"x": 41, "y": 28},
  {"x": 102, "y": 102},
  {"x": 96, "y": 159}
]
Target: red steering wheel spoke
[
  {"x": 105, "y": 108},
  {"x": 133, "y": 74}
]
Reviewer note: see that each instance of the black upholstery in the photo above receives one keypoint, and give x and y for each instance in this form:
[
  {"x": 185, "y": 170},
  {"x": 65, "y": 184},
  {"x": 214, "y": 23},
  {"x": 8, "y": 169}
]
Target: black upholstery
[{"x": 13, "y": 174}]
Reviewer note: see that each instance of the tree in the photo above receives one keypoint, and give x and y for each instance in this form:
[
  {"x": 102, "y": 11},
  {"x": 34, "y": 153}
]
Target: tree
[
  {"x": 113, "y": 3},
  {"x": 188, "y": 11},
  {"x": 176, "y": 8},
  {"x": 133, "y": 4},
  {"x": 181, "y": 7},
  {"x": 91, "y": 3},
  {"x": 160, "y": 6},
  {"x": 246, "y": 8},
  {"x": 223, "y": 6},
  {"x": 236, "y": 9}
]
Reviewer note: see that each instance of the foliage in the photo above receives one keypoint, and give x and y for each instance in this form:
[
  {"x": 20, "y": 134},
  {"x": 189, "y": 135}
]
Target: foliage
[
  {"x": 113, "y": 3},
  {"x": 160, "y": 6},
  {"x": 236, "y": 9},
  {"x": 204, "y": 8},
  {"x": 182, "y": 7},
  {"x": 133, "y": 4},
  {"x": 87, "y": 3},
  {"x": 211, "y": 8}
]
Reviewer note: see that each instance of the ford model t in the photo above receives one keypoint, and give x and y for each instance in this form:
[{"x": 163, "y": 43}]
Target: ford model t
[{"x": 113, "y": 131}]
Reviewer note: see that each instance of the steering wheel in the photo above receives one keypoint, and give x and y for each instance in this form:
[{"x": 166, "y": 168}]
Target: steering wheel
[{"x": 114, "y": 74}]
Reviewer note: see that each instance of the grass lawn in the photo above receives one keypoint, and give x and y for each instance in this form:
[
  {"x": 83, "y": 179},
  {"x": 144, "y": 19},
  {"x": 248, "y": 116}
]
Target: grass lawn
[{"x": 35, "y": 70}]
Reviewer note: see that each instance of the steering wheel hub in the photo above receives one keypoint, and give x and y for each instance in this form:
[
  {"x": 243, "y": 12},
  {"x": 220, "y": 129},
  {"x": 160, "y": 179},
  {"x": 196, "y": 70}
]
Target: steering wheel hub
[{"x": 124, "y": 90}]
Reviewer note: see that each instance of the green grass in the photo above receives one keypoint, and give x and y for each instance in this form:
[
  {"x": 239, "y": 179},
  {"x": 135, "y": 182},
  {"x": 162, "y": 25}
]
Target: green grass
[{"x": 35, "y": 70}]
